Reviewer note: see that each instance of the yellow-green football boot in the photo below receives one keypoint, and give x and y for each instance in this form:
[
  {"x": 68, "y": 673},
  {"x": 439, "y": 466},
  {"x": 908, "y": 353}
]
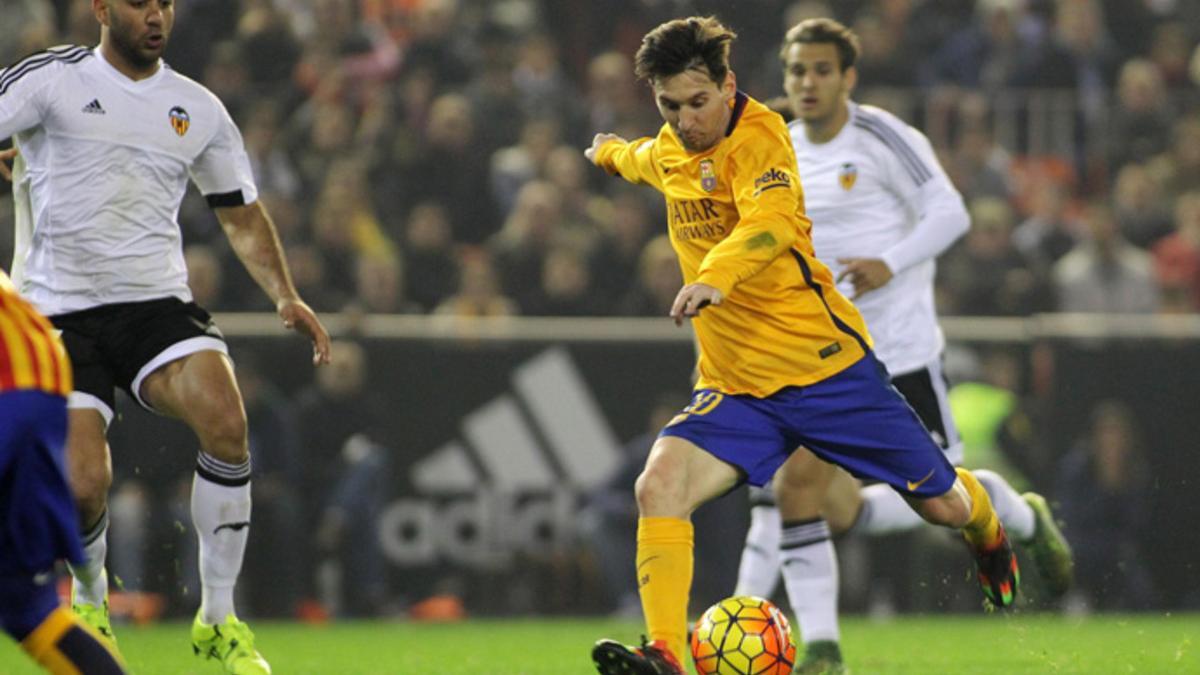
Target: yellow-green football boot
[{"x": 231, "y": 643}]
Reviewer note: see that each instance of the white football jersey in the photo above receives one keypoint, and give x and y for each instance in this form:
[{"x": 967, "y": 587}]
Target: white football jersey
[
  {"x": 104, "y": 165},
  {"x": 876, "y": 190}
]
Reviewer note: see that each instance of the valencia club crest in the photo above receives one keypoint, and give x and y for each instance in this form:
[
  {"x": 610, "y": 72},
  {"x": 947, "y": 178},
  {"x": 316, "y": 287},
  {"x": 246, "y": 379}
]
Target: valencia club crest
[
  {"x": 180, "y": 120},
  {"x": 847, "y": 175}
]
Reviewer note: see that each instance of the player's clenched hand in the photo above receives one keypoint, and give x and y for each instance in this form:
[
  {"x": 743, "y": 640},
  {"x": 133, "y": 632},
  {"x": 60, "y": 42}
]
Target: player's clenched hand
[
  {"x": 693, "y": 298},
  {"x": 299, "y": 317},
  {"x": 866, "y": 274},
  {"x": 6, "y": 156},
  {"x": 598, "y": 141}
]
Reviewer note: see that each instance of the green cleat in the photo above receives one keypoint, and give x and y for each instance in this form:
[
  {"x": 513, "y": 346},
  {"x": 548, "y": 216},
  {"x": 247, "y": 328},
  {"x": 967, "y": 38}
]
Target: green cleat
[
  {"x": 1051, "y": 551},
  {"x": 231, "y": 643},
  {"x": 822, "y": 657},
  {"x": 96, "y": 617}
]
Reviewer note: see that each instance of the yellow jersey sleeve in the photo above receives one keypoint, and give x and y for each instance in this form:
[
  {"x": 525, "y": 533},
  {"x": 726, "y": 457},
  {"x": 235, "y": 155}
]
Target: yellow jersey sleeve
[{"x": 633, "y": 161}]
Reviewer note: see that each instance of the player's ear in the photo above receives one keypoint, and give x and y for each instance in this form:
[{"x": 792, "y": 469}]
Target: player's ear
[
  {"x": 851, "y": 78},
  {"x": 729, "y": 86},
  {"x": 100, "y": 9}
]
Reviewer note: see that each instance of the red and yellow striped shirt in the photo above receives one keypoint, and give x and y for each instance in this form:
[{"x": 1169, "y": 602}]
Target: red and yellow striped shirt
[{"x": 31, "y": 353}]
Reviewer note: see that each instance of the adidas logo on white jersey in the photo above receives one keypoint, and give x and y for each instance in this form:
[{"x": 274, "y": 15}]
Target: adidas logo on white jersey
[{"x": 94, "y": 107}]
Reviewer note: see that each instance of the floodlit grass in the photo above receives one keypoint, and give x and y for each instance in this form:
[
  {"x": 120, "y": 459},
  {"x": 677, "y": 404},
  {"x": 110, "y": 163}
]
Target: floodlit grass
[{"x": 975, "y": 644}]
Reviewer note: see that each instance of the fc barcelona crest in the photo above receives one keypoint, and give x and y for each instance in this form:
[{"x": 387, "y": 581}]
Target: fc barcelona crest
[
  {"x": 180, "y": 120},
  {"x": 708, "y": 176},
  {"x": 847, "y": 175}
]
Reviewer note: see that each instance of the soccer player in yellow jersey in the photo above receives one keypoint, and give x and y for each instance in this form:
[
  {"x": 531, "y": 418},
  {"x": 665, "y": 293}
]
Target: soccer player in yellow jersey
[
  {"x": 784, "y": 359},
  {"x": 37, "y": 511}
]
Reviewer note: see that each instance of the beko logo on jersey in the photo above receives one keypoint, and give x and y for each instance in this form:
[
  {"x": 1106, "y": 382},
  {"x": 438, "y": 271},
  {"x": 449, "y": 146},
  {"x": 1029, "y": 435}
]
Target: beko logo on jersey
[
  {"x": 773, "y": 178},
  {"x": 94, "y": 108},
  {"x": 180, "y": 120}
]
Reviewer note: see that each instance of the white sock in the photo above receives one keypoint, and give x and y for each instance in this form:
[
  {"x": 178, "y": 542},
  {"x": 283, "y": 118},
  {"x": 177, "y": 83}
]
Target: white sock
[
  {"x": 1016, "y": 516},
  {"x": 884, "y": 511},
  {"x": 758, "y": 571},
  {"x": 221, "y": 514},
  {"x": 89, "y": 580},
  {"x": 810, "y": 574}
]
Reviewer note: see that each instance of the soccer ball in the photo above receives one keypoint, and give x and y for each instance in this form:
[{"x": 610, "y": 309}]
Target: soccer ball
[{"x": 743, "y": 635}]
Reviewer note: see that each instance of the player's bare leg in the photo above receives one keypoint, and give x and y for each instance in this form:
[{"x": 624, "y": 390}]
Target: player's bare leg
[
  {"x": 200, "y": 390},
  {"x": 89, "y": 471},
  {"x": 808, "y": 559},
  {"x": 679, "y": 477}
]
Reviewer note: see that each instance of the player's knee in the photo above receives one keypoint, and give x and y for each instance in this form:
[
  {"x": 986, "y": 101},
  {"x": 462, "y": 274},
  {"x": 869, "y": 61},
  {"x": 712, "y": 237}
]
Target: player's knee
[
  {"x": 224, "y": 437},
  {"x": 89, "y": 485},
  {"x": 656, "y": 491}
]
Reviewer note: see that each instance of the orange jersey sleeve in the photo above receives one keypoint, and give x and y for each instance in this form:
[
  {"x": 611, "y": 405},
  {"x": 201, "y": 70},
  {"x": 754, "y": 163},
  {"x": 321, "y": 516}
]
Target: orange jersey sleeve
[
  {"x": 31, "y": 354},
  {"x": 735, "y": 215}
]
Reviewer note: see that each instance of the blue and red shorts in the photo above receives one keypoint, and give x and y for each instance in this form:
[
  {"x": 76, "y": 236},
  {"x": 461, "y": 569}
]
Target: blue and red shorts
[
  {"x": 38, "y": 521},
  {"x": 854, "y": 419}
]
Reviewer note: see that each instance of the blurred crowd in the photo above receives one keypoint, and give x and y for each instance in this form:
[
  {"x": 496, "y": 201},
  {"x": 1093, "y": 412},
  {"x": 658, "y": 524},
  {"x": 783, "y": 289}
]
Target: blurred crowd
[{"x": 424, "y": 156}]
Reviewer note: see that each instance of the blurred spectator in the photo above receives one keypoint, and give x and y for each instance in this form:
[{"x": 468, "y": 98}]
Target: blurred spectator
[
  {"x": 380, "y": 286},
  {"x": 1104, "y": 494},
  {"x": 1177, "y": 256},
  {"x": 479, "y": 293},
  {"x": 521, "y": 246},
  {"x": 1141, "y": 212},
  {"x": 979, "y": 167},
  {"x": 31, "y": 27},
  {"x": 542, "y": 86},
  {"x": 566, "y": 286},
  {"x": 203, "y": 274},
  {"x": 658, "y": 281},
  {"x": 269, "y": 46},
  {"x": 1178, "y": 169},
  {"x": 430, "y": 269},
  {"x": 985, "y": 274},
  {"x": 344, "y": 483},
  {"x": 493, "y": 94},
  {"x": 447, "y": 169},
  {"x": 615, "y": 101},
  {"x": 1141, "y": 121},
  {"x": 1105, "y": 273},
  {"x": 623, "y": 233},
  {"x": 996, "y": 429},
  {"x": 1046, "y": 235},
  {"x": 514, "y": 166},
  {"x": 1170, "y": 50},
  {"x": 274, "y": 172},
  {"x": 990, "y": 53}
]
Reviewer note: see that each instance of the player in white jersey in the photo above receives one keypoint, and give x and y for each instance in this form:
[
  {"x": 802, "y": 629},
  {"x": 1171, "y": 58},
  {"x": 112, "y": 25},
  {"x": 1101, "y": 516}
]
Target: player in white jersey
[
  {"x": 882, "y": 209},
  {"x": 108, "y": 138}
]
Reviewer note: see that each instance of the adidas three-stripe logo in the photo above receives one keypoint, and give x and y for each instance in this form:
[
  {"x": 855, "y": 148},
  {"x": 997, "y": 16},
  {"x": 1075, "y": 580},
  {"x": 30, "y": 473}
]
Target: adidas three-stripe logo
[
  {"x": 552, "y": 433},
  {"x": 94, "y": 107}
]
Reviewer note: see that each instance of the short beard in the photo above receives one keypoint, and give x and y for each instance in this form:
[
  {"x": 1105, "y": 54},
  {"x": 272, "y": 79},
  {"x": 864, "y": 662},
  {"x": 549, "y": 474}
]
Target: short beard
[{"x": 130, "y": 51}]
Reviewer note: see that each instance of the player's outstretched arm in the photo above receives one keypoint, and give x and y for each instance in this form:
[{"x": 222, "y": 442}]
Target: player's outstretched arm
[
  {"x": 253, "y": 237},
  {"x": 7, "y": 156}
]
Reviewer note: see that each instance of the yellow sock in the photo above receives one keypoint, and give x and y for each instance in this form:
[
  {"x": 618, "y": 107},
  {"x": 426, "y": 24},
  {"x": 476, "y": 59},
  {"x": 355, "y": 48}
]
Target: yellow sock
[
  {"x": 664, "y": 577},
  {"x": 64, "y": 645},
  {"x": 983, "y": 529}
]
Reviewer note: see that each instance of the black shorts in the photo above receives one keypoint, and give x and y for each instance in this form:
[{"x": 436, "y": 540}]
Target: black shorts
[
  {"x": 118, "y": 345},
  {"x": 926, "y": 392}
]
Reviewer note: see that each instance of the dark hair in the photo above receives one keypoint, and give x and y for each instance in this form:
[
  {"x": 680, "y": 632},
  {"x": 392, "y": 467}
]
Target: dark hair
[
  {"x": 685, "y": 44},
  {"x": 824, "y": 31}
]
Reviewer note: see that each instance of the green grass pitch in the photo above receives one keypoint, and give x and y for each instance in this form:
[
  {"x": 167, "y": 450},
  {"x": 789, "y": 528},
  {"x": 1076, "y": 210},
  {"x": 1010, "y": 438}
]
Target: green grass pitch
[{"x": 1017, "y": 643}]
